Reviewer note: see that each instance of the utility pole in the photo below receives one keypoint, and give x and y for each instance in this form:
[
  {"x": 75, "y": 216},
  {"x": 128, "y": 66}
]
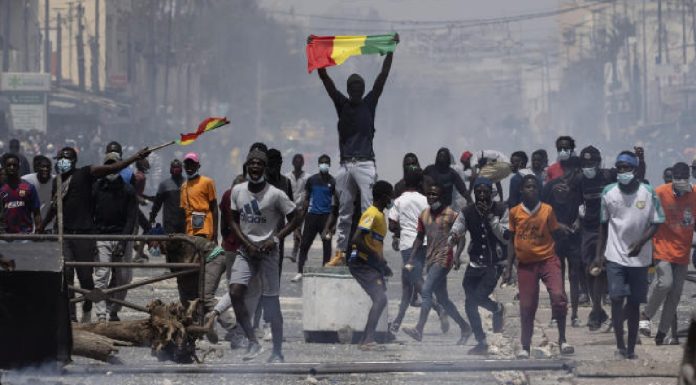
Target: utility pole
[
  {"x": 47, "y": 41},
  {"x": 683, "y": 9},
  {"x": 6, "y": 37},
  {"x": 659, "y": 32},
  {"x": 70, "y": 40},
  {"x": 79, "y": 42},
  {"x": 644, "y": 110},
  {"x": 26, "y": 36},
  {"x": 59, "y": 49},
  {"x": 167, "y": 55},
  {"x": 95, "y": 49}
]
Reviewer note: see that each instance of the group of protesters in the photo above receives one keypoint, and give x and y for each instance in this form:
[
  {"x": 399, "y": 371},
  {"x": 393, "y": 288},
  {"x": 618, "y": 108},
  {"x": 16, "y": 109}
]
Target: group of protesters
[{"x": 608, "y": 229}]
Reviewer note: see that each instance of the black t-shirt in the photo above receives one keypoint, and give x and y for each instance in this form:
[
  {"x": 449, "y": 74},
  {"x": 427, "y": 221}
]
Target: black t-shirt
[
  {"x": 78, "y": 205},
  {"x": 590, "y": 191},
  {"x": 567, "y": 212},
  {"x": 356, "y": 125},
  {"x": 447, "y": 180}
]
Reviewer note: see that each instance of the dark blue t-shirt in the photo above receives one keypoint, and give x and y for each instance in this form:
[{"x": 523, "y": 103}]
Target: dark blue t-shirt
[{"x": 320, "y": 192}]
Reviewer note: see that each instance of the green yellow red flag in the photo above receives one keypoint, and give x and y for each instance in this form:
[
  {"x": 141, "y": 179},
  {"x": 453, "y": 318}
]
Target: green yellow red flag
[{"x": 327, "y": 51}]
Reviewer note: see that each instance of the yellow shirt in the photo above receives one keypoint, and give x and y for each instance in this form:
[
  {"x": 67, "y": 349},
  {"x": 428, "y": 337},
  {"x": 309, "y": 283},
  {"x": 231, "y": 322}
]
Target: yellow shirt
[
  {"x": 196, "y": 195},
  {"x": 373, "y": 224}
]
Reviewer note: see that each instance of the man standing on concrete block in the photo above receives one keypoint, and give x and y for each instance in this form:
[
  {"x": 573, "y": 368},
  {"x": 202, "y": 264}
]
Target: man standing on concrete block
[
  {"x": 356, "y": 131},
  {"x": 366, "y": 261},
  {"x": 671, "y": 246}
]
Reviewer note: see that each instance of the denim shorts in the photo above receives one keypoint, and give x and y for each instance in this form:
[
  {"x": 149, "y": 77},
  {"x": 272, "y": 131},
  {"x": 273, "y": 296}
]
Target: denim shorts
[{"x": 629, "y": 282}]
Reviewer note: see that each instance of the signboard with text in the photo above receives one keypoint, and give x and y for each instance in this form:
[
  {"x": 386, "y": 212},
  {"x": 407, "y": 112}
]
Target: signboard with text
[{"x": 26, "y": 92}]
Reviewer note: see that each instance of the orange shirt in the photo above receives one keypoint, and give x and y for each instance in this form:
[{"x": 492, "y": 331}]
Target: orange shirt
[
  {"x": 672, "y": 242},
  {"x": 196, "y": 196},
  {"x": 533, "y": 240}
]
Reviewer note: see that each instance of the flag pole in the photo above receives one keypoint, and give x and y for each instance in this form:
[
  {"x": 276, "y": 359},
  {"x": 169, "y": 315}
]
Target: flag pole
[{"x": 161, "y": 146}]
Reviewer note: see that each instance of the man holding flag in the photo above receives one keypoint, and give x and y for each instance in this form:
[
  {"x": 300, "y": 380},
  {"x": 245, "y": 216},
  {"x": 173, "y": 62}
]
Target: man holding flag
[{"x": 356, "y": 121}]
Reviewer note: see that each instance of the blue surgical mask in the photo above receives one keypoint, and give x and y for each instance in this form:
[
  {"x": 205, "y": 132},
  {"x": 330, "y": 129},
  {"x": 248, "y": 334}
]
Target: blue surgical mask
[
  {"x": 324, "y": 168},
  {"x": 63, "y": 165},
  {"x": 589, "y": 172},
  {"x": 390, "y": 204},
  {"x": 625, "y": 177}
]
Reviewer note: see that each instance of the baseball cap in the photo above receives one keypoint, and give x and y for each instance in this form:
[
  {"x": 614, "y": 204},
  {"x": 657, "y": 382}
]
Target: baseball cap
[
  {"x": 466, "y": 155},
  {"x": 191, "y": 156}
]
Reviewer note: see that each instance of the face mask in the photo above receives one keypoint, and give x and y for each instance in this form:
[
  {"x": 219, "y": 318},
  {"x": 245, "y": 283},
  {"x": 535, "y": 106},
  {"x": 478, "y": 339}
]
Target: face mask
[
  {"x": 564, "y": 154},
  {"x": 192, "y": 176},
  {"x": 681, "y": 186},
  {"x": 625, "y": 177},
  {"x": 111, "y": 177},
  {"x": 260, "y": 180},
  {"x": 390, "y": 205},
  {"x": 589, "y": 172},
  {"x": 323, "y": 168},
  {"x": 64, "y": 165},
  {"x": 436, "y": 206}
]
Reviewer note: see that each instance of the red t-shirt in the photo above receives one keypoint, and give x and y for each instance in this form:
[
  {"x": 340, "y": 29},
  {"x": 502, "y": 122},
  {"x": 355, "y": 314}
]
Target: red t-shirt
[
  {"x": 229, "y": 241},
  {"x": 554, "y": 171}
]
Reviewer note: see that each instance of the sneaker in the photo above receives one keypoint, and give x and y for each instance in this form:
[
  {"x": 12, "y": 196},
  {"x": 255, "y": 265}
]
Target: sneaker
[
  {"x": 466, "y": 333},
  {"x": 644, "y": 327},
  {"x": 575, "y": 322},
  {"x": 499, "y": 319},
  {"x": 481, "y": 349},
  {"x": 659, "y": 338},
  {"x": 553, "y": 323},
  {"x": 296, "y": 278},
  {"x": 607, "y": 326},
  {"x": 339, "y": 259},
  {"x": 672, "y": 341},
  {"x": 86, "y": 317},
  {"x": 414, "y": 333},
  {"x": 237, "y": 338},
  {"x": 394, "y": 327},
  {"x": 267, "y": 334},
  {"x": 523, "y": 354},
  {"x": 620, "y": 354},
  {"x": 444, "y": 323},
  {"x": 567, "y": 349},
  {"x": 113, "y": 317},
  {"x": 253, "y": 351},
  {"x": 276, "y": 358},
  {"x": 631, "y": 356}
]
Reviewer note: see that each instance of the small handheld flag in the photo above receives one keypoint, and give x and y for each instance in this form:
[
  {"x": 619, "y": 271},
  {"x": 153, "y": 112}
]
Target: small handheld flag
[{"x": 205, "y": 126}]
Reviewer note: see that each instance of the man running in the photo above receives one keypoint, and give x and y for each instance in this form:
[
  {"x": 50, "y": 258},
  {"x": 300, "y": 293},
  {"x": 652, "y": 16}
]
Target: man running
[
  {"x": 356, "y": 131},
  {"x": 487, "y": 224},
  {"x": 518, "y": 165},
  {"x": 19, "y": 199},
  {"x": 257, "y": 208},
  {"x": 671, "y": 247},
  {"x": 442, "y": 174},
  {"x": 533, "y": 226},
  {"x": 168, "y": 198},
  {"x": 42, "y": 180},
  {"x": 435, "y": 223},
  {"x": 630, "y": 215},
  {"x": 565, "y": 145}
]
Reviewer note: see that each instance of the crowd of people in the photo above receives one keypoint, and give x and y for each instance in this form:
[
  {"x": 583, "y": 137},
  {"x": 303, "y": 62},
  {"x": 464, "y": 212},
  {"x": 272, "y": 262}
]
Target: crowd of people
[{"x": 607, "y": 230}]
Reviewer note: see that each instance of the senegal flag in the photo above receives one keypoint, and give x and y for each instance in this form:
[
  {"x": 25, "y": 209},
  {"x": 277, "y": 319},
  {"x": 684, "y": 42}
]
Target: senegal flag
[{"x": 327, "y": 51}]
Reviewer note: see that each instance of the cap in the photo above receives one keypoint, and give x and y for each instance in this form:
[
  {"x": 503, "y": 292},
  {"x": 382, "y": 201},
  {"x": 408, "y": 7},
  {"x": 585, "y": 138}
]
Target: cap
[
  {"x": 483, "y": 181},
  {"x": 466, "y": 155},
  {"x": 191, "y": 156},
  {"x": 111, "y": 157}
]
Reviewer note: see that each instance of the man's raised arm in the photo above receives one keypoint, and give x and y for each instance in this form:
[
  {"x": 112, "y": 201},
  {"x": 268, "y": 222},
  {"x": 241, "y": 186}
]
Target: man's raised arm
[
  {"x": 386, "y": 67},
  {"x": 328, "y": 83}
]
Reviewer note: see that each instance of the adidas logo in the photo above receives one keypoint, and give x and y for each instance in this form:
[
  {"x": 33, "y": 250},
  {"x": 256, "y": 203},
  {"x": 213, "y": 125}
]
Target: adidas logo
[{"x": 252, "y": 213}]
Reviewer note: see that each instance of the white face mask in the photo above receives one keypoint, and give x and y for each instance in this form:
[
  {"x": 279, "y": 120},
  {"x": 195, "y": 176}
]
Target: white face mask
[
  {"x": 259, "y": 180},
  {"x": 324, "y": 168},
  {"x": 681, "y": 186},
  {"x": 192, "y": 176},
  {"x": 63, "y": 165},
  {"x": 111, "y": 177},
  {"x": 589, "y": 172},
  {"x": 564, "y": 154}
]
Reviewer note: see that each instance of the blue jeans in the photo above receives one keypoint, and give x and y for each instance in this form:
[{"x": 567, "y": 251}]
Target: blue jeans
[
  {"x": 436, "y": 283},
  {"x": 411, "y": 281}
]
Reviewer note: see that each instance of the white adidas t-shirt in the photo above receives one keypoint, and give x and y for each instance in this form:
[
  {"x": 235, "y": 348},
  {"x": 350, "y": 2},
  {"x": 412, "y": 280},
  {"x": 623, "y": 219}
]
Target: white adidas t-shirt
[
  {"x": 628, "y": 217},
  {"x": 407, "y": 208}
]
